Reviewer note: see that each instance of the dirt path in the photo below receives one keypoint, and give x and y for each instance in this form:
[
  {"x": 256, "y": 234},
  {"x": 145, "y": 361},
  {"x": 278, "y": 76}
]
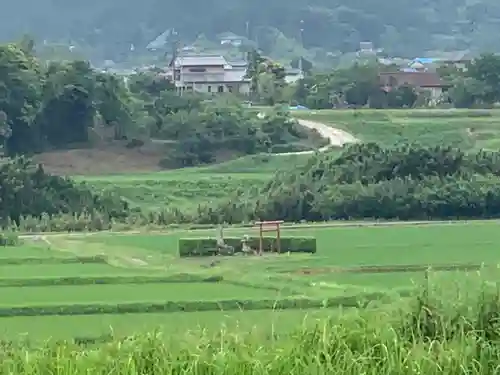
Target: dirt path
[
  {"x": 339, "y": 224},
  {"x": 335, "y": 136}
]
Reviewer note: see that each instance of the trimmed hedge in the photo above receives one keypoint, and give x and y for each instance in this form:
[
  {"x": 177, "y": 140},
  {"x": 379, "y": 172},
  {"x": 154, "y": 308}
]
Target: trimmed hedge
[
  {"x": 361, "y": 300},
  {"x": 8, "y": 239},
  {"x": 191, "y": 247},
  {"x": 57, "y": 281}
]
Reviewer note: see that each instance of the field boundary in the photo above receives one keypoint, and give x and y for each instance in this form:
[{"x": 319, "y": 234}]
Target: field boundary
[
  {"x": 106, "y": 280},
  {"x": 360, "y": 300},
  {"x": 167, "y": 230},
  {"x": 387, "y": 269},
  {"x": 14, "y": 261}
]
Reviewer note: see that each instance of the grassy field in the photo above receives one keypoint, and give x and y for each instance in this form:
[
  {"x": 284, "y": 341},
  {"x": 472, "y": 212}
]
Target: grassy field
[
  {"x": 187, "y": 299},
  {"x": 175, "y": 189},
  {"x": 467, "y": 129},
  {"x": 371, "y": 343},
  {"x": 62, "y": 327},
  {"x": 190, "y": 187},
  {"x": 328, "y": 274},
  {"x": 187, "y": 188}
]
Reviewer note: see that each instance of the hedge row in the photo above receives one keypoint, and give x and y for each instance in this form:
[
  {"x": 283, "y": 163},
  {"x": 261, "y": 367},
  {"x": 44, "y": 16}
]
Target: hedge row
[
  {"x": 8, "y": 239},
  {"x": 98, "y": 259},
  {"x": 92, "y": 280},
  {"x": 189, "y": 247},
  {"x": 361, "y": 300}
]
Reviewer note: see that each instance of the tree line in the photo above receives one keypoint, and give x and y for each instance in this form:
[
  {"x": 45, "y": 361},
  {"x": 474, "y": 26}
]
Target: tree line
[
  {"x": 27, "y": 190},
  {"x": 366, "y": 181},
  {"x": 407, "y": 182},
  {"x": 358, "y": 85},
  {"x": 67, "y": 103}
]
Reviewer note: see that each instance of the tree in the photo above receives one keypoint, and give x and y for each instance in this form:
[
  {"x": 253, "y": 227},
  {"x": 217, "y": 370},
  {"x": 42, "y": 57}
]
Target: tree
[
  {"x": 403, "y": 96},
  {"x": 466, "y": 92},
  {"x": 68, "y": 103},
  {"x": 19, "y": 97},
  {"x": 5, "y": 131},
  {"x": 253, "y": 70},
  {"x": 486, "y": 69}
]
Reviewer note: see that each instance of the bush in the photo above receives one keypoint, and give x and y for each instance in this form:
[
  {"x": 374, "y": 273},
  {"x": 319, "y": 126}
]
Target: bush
[
  {"x": 8, "y": 239},
  {"x": 367, "y": 181},
  {"x": 189, "y": 247}
]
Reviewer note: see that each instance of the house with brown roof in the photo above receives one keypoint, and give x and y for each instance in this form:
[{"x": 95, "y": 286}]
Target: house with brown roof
[{"x": 430, "y": 82}]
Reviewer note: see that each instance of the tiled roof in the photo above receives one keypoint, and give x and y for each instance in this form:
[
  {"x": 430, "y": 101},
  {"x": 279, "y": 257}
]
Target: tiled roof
[
  {"x": 234, "y": 75},
  {"x": 200, "y": 60},
  {"x": 238, "y": 64},
  {"x": 417, "y": 79}
]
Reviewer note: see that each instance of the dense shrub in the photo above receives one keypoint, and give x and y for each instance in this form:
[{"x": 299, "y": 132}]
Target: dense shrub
[
  {"x": 208, "y": 246},
  {"x": 26, "y": 190},
  {"x": 368, "y": 181},
  {"x": 8, "y": 239}
]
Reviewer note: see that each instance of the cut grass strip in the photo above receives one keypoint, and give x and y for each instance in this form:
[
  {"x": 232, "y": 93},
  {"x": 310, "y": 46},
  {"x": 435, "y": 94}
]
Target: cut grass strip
[
  {"x": 130, "y": 293},
  {"x": 389, "y": 269},
  {"x": 53, "y": 260},
  {"x": 360, "y": 300},
  {"x": 68, "y": 270},
  {"x": 106, "y": 280}
]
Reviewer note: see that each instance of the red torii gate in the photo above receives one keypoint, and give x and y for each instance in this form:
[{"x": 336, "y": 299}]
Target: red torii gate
[{"x": 269, "y": 226}]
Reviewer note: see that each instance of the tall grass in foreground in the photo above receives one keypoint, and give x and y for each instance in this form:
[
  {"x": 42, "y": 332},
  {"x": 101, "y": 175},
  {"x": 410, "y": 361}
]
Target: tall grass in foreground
[{"x": 443, "y": 331}]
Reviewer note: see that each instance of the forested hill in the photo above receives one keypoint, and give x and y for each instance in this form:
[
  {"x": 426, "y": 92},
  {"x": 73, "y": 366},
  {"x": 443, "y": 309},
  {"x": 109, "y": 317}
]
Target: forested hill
[{"x": 402, "y": 27}]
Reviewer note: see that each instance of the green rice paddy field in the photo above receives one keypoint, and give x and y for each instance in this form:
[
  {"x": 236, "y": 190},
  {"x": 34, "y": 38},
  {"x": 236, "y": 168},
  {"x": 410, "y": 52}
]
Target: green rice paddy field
[{"x": 316, "y": 277}]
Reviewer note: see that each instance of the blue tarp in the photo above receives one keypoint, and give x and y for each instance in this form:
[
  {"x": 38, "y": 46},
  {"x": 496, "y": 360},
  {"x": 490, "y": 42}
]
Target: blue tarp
[
  {"x": 297, "y": 107},
  {"x": 424, "y": 60}
]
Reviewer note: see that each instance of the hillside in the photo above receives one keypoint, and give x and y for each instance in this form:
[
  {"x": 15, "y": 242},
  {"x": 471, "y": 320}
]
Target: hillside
[{"x": 107, "y": 28}]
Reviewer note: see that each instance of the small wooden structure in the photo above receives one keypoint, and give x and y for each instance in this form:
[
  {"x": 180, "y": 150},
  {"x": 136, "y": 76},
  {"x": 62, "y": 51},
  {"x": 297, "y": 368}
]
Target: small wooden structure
[{"x": 269, "y": 226}]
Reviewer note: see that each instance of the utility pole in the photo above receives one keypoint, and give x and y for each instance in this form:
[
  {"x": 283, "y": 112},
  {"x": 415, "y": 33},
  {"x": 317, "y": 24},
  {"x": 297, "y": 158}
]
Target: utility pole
[
  {"x": 301, "y": 44},
  {"x": 245, "y": 46},
  {"x": 181, "y": 76},
  {"x": 177, "y": 54}
]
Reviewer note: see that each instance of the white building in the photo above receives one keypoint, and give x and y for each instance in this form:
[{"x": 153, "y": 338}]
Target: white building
[
  {"x": 293, "y": 75},
  {"x": 209, "y": 74}
]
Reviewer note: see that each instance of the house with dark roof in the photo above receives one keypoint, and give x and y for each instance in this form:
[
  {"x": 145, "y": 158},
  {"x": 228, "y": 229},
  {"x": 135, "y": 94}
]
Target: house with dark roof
[
  {"x": 209, "y": 74},
  {"x": 430, "y": 82},
  {"x": 232, "y": 39}
]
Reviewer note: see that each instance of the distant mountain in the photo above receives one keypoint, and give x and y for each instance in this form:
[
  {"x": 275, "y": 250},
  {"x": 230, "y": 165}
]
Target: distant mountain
[{"x": 404, "y": 27}]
